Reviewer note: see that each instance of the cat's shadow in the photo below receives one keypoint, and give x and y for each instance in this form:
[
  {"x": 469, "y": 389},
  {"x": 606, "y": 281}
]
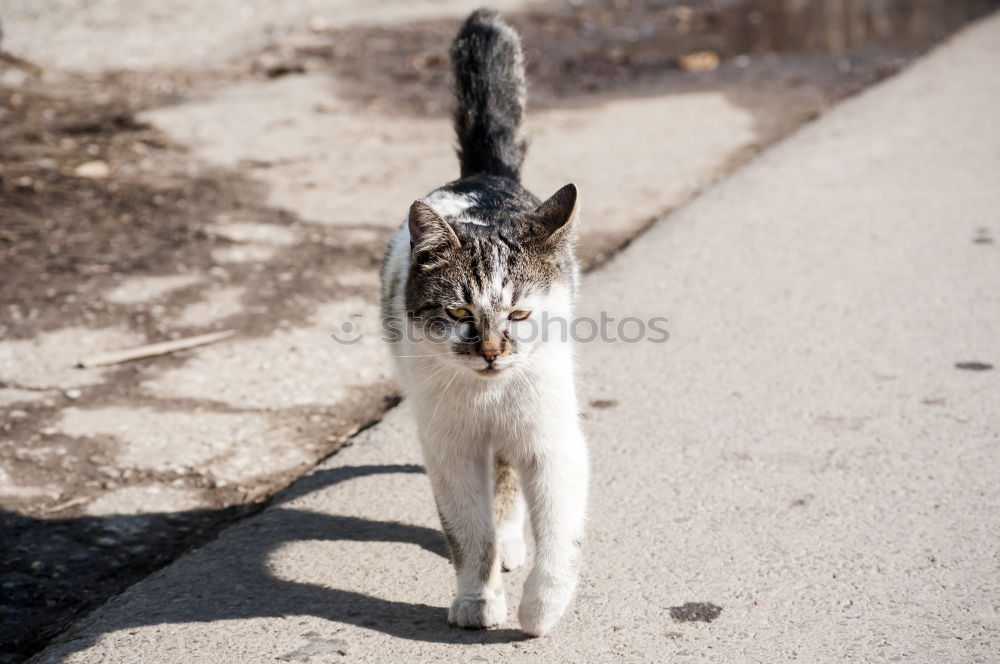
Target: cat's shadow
[{"x": 246, "y": 586}]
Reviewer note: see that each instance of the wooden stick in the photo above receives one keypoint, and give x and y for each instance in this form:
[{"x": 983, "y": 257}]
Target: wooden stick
[
  {"x": 72, "y": 502},
  {"x": 12, "y": 59},
  {"x": 151, "y": 350}
]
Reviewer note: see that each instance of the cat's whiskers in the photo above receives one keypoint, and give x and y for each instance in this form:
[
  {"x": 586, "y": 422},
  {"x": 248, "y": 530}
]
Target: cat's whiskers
[
  {"x": 438, "y": 370},
  {"x": 434, "y": 414}
]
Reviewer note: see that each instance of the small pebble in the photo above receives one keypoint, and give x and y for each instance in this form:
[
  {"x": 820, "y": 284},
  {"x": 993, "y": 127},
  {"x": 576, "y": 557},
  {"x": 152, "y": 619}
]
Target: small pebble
[
  {"x": 95, "y": 170},
  {"x": 700, "y": 61},
  {"x": 318, "y": 23}
]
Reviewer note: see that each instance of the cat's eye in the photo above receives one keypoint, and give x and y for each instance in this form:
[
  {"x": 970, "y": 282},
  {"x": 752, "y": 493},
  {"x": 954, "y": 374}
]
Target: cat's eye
[
  {"x": 459, "y": 314},
  {"x": 520, "y": 314}
]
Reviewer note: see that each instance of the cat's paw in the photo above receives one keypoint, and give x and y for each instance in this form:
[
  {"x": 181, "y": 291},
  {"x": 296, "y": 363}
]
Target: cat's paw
[
  {"x": 543, "y": 604},
  {"x": 513, "y": 551},
  {"x": 477, "y": 612}
]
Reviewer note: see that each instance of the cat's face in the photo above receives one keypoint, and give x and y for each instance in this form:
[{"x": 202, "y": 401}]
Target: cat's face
[{"x": 478, "y": 295}]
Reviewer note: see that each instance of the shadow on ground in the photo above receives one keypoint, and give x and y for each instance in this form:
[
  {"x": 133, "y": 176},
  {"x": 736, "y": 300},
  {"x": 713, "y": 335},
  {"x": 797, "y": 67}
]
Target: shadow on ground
[{"x": 259, "y": 592}]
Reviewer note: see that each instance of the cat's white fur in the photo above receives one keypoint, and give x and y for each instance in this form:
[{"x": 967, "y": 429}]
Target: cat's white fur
[
  {"x": 450, "y": 204},
  {"x": 527, "y": 413}
]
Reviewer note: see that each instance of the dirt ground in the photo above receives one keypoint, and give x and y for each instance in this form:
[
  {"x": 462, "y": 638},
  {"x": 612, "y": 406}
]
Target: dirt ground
[{"x": 111, "y": 226}]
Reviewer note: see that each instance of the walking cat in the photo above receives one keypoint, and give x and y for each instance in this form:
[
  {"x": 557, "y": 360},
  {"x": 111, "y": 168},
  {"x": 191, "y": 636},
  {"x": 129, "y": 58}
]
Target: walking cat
[{"x": 473, "y": 277}]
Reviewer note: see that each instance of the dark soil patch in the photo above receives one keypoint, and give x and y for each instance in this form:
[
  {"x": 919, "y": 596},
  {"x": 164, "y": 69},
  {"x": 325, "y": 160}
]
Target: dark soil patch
[
  {"x": 974, "y": 366},
  {"x": 696, "y": 612},
  {"x": 67, "y": 239},
  {"x": 578, "y": 51}
]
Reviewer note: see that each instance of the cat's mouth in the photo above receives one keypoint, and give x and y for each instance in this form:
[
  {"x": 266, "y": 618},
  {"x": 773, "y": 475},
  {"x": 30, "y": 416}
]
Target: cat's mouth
[{"x": 488, "y": 371}]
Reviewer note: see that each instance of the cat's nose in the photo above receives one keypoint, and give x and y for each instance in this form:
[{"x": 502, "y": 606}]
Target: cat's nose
[{"x": 490, "y": 351}]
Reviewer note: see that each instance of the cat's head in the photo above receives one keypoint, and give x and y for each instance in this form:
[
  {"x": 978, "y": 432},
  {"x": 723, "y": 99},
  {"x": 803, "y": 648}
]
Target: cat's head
[{"x": 478, "y": 293}]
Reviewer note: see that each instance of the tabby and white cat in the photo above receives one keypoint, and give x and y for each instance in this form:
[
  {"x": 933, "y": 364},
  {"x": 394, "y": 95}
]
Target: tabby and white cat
[{"x": 468, "y": 277}]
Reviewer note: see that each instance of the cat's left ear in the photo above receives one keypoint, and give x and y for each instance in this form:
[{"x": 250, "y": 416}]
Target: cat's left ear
[
  {"x": 558, "y": 215},
  {"x": 429, "y": 232}
]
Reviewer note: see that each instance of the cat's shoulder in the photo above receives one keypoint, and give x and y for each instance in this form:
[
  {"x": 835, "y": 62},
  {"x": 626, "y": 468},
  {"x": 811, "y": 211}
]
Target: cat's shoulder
[{"x": 482, "y": 197}]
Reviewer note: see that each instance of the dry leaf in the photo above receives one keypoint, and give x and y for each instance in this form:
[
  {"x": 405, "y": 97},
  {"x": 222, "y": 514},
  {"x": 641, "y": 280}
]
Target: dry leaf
[{"x": 700, "y": 61}]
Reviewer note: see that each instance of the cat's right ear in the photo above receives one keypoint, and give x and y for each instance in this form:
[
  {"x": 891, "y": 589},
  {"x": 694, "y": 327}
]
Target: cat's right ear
[
  {"x": 429, "y": 232},
  {"x": 557, "y": 216}
]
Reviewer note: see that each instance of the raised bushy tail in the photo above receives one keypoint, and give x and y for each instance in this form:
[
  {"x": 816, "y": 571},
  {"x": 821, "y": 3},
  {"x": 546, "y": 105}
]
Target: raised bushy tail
[{"x": 490, "y": 96}]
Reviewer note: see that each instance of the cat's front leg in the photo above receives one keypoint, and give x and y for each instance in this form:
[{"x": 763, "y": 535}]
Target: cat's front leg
[
  {"x": 462, "y": 477},
  {"x": 555, "y": 486}
]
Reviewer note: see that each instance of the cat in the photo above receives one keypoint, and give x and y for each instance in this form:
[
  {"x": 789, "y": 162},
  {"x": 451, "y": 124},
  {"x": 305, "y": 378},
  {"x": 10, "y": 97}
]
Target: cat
[{"x": 467, "y": 278}]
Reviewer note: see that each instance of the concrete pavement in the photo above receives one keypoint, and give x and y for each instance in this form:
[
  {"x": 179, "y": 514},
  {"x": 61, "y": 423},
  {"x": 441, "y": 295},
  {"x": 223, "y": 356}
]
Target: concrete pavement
[
  {"x": 255, "y": 158},
  {"x": 111, "y": 34},
  {"x": 806, "y": 453}
]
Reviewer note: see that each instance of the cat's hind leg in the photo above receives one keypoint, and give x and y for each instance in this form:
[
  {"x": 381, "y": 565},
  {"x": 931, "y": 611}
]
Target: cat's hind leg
[{"x": 508, "y": 511}]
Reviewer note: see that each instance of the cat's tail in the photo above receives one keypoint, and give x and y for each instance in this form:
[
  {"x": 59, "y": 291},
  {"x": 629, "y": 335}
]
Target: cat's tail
[{"x": 490, "y": 96}]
